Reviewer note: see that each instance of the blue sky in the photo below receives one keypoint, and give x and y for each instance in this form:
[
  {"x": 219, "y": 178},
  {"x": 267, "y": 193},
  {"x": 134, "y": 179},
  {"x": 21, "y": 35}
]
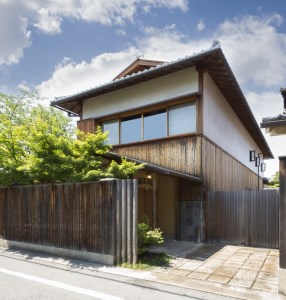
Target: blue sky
[{"x": 63, "y": 47}]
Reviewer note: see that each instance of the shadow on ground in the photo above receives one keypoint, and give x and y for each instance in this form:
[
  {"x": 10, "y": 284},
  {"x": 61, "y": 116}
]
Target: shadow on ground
[{"x": 189, "y": 250}]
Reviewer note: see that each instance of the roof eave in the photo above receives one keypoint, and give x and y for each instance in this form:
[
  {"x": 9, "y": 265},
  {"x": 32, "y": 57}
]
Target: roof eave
[{"x": 156, "y": 168}]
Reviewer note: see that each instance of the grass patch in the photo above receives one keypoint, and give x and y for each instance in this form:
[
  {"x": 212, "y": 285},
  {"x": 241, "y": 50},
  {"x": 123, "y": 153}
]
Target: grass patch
[{"x": 149, "y": 261}]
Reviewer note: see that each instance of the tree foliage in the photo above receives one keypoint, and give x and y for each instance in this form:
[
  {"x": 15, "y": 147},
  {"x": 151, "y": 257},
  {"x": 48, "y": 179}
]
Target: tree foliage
[
  {"x": 274, "y": 181},
  {"x": 124, "y": 170},
  {"x": 38, "y": 144}
]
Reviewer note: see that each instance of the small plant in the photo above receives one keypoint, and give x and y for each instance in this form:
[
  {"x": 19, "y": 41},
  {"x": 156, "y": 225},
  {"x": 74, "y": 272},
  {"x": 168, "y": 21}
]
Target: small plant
[
  {"x": 149, "y": 261},
  {"x": 147, "y": 237}
]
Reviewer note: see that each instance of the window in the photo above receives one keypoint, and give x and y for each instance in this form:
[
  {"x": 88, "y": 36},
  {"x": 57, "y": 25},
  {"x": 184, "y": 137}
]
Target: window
[
  {"x": 113, "y": 131},
  {"x": 155, "y": 124},
  {"x": 182, "y": 118},
  {"x": 130, "y": 129}
]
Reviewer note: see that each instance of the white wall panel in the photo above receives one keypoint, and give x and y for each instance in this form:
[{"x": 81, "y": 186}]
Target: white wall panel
[
  {"x": 145, "y": 93},
  {"x": 223, "y": 127}
]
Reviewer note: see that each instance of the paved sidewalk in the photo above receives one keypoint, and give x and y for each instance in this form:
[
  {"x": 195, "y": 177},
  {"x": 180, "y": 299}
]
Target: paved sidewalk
[
  {"x": 237, "y": 266},
  {"x": 222, "y": 272}
]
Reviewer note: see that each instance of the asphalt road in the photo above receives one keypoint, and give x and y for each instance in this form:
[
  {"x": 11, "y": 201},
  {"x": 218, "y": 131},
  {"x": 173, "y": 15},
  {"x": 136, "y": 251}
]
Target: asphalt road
[{"x": 24, "y": 277}]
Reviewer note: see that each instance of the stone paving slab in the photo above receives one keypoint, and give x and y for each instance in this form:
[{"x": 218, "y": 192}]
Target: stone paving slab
[
  {"x": 218, "y": 278},
  {"x": 267, "y": 276},
  {"x": 234, "y": 266},
  {"x": 265, "y": 285},
  {"x": 198, "y": 275},
  {"x": 190, "y": 265},
  {"x": 180, "y": 272},
  {"x": 228, "y": 272}
]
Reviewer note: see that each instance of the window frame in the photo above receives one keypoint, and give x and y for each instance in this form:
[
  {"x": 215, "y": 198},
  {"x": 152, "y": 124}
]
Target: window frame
[{"x": 149, "y": 109}]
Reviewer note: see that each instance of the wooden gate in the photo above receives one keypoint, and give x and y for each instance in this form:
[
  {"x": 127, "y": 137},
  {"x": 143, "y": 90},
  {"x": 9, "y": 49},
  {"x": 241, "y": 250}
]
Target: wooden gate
[{"x": 247, "y": 217}]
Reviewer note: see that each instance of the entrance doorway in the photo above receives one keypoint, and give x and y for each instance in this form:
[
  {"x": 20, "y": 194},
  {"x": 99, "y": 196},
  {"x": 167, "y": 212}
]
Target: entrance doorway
[
  {"x": 158, "y": 202},
  {"x": 172, "y": 204}
]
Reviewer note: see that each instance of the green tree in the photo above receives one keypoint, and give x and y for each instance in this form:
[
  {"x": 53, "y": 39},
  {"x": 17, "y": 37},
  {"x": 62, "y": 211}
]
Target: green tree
[
  {"x": 38, "y": 144},
  {"x": 274, "y": 181},
  {"x": 14, "y": 116}
]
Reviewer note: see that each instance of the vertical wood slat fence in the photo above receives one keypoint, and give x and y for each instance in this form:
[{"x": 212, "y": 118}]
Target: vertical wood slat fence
[
  {"x": 98, "y": 217},
  {"x": 247, "y": 217}
]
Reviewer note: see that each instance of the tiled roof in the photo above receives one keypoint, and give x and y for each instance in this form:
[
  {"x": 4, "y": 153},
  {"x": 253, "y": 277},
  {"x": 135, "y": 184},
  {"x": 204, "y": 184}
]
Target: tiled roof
[{"x": 129, "y": 79}]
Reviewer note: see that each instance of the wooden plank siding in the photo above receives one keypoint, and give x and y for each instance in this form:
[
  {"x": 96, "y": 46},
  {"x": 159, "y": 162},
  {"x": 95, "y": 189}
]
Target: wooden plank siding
[
  {"x": 243, "y": 217},
  {"x": 180, "y": 154},
  {"x": 87, "y": 126},
  {"x": 223, "y": 172},
  {"x": 195, "y": 155},
  {"x": 76, "y": 216}
]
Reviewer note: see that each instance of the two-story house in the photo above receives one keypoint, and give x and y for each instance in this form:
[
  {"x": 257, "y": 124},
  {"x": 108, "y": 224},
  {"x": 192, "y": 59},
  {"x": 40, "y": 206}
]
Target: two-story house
[{"x": 189, "y": 122}]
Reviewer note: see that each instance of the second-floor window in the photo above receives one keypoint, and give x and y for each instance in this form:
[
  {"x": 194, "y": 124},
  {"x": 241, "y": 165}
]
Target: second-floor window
[
  {"x": 130, "y": 129},
  {"x": 182, "y": 118},
  {"x": 173, "y": 120},
  {"x": 112, "y": 128},
  {"x": 155, "y": 124}
]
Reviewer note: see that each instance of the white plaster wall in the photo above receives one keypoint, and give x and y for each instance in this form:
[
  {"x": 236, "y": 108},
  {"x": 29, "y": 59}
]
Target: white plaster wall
[
  {"x": 222, "y": 126},
  {"x": 149, "y": 92}
]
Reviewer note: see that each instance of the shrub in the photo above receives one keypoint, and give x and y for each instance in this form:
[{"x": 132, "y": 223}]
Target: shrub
[{"x": 147, "y": 237}]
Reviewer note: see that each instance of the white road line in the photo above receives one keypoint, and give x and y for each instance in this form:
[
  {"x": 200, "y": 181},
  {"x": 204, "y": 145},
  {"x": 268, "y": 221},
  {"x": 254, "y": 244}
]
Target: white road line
[{"x": 61, "y": 285}]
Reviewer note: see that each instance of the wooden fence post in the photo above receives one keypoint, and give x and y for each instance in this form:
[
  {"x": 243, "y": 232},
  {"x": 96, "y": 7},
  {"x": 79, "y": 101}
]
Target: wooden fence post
[
  {"x": 135, "y": 220},
  {"x": 125, "y": 217},
  {"x": 282, "y": 230}
]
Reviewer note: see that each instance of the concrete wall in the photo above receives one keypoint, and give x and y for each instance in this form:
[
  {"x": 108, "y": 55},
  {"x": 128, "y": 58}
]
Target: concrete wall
[
  {"x": 54, "y": 251},
  {"x": 177, "y": 84},
  {"x": 223, "y": 127}
]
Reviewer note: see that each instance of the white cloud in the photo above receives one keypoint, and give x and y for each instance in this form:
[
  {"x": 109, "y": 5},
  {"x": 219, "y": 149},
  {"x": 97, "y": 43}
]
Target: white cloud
[
  {"x": 24, "y": 86},
  {"x": 255, "y": 49},
  {"x": 48, "y": 23},
  {"x": 69, "y": 77},
  {"x": 14, "y": 35},
  {"x": 171, "y": 4},
  {"x": 253, "y": 46},
  {"x": 120, "y": 32},
  {"x": 265, "y": 104},
  {"x": 17, "y": 16},
  {"x": 169, "y": 44},
  {"x": 201, "y": 26},
  {"x": 102, "y": 11}
]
